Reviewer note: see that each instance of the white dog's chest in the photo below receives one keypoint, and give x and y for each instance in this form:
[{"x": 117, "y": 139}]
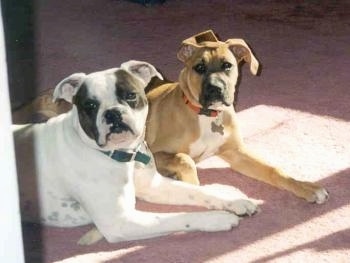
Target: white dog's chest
[{"x": 212, "y": 136}]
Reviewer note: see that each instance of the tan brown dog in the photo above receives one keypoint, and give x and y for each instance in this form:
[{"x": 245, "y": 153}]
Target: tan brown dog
[{"x": 194, "y": 119}]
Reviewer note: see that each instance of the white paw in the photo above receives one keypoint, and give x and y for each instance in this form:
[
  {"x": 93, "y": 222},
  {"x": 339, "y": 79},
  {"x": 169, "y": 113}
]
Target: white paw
[
  {"x": 90, "y": 237},
  {"x": 219, "y": 221},
  {"x": 229, "y": 198},
  {"x": 320, "y": 196},
  {"x": 241, "y": 207}
]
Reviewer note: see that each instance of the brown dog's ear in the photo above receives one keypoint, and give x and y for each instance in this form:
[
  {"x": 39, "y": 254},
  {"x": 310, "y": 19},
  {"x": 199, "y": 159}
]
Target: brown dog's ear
[
  {"x": 190, "y": 45},
  {"x": 242, "y": 51},
  {"x": 142, "y": 69},
  {"x": 68, "y": 87},
  {"x": 186, "y": 51}
]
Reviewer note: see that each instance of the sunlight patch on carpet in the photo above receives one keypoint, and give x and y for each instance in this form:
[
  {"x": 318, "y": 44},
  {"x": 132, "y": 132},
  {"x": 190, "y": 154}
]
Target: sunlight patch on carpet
[
  {"x": 99, "y": 257},
  {"x": 306, "y": 146},
  {"x": 296, "y": 242}
]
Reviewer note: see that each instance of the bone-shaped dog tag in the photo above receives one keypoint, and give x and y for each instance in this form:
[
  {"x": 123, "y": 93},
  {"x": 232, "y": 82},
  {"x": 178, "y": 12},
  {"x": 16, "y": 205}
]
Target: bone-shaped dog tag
[{"x": 216, "y": 125}]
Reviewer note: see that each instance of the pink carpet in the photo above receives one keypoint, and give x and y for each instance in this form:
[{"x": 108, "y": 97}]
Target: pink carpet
[
  {"x": 307, "y": 146},
  {"x": 304, "y": 49}
]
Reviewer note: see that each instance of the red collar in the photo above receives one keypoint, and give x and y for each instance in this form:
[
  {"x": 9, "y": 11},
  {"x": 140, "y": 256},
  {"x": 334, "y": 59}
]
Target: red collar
[{"x": 200, "y": 111}]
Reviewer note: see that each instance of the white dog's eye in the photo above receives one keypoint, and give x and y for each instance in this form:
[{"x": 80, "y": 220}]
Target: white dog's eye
[
  {"x": 130, "y": 96},
  {"x": 90, "y": 105}
]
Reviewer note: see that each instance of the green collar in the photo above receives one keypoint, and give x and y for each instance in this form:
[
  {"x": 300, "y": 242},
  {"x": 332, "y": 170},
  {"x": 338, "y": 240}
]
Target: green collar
[{"x": 123, "y": 156}]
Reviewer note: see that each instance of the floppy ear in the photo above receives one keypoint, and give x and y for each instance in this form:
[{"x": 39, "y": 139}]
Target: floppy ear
[
  {"x": 142, "y": 69},
  {"x": 186, "y": 51},
  {"x": 68, "y": 87},
  {"x": 191, "y": 44},
  {"x": 242, "y": 51}
]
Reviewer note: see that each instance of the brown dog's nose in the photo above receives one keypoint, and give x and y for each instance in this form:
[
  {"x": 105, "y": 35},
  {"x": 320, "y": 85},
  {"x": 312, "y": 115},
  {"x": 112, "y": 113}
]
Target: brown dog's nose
[{"x": 214, "y": 91}]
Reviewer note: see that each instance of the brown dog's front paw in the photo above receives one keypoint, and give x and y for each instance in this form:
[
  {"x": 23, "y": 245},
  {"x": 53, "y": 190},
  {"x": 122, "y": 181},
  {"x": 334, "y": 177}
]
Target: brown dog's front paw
[
  {"x": 179, "y": 166},
  {"x": 187, "y": 178},
  {"x": 173, "y": 176},
  {"x": 314, "y": 193},
  {"x": 320, "y": 196}
]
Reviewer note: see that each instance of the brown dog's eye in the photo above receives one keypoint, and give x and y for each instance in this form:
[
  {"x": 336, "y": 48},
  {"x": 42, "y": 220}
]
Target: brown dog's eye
[
  {"x": 226, "y": 66},
  {"x": 200, "y": 68}
]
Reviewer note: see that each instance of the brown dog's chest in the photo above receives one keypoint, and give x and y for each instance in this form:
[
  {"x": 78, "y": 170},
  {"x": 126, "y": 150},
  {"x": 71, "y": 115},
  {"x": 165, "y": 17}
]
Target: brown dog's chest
[{"x": 213, "y": 134}]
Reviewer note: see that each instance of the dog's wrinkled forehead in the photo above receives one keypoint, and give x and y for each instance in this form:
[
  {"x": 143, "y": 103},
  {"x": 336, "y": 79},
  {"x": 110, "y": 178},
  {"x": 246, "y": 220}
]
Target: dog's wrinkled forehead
[
  {"x": 214, "y": 55},
  {"x": 111, "y": 87},
  {"x": 99, "y": 85}
]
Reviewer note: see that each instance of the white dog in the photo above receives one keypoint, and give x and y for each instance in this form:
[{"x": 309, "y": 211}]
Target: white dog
[{"x": 91, "y": 162}]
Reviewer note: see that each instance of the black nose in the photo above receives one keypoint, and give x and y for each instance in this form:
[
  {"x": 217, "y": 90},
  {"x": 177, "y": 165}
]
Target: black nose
[
  {"x": 213, "y": 92},
  {"x": 113, "y": 116}
]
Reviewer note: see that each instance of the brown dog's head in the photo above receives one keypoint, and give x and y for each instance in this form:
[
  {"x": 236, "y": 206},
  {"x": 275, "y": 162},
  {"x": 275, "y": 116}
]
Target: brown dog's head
[{"x": 211, "y": 71}]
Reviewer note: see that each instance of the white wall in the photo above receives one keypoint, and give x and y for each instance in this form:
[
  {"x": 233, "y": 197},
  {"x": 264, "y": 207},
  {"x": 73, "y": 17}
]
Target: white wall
[{"x": 11, "y": 245}]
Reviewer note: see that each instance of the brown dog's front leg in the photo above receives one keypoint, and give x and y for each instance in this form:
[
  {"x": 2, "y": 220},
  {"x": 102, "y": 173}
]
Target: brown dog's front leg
[
  {"x": 249, "y": 165},
  {"x": 179, "y": 166}
]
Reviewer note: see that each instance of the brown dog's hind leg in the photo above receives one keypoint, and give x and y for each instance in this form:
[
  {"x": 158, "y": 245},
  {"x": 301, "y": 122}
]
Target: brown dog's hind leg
[
  {"x": 40, "y": 109},
  {"x": 179, "y": 166},
  {"x": 249, "y": 165}
]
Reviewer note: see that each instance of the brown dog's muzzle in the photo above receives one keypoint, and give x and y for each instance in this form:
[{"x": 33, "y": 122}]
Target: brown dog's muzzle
[{"x": 214, "y": 90}]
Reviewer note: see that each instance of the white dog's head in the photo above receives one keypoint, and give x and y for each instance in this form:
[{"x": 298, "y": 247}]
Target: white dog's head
[{"x": 111, "y": 105}]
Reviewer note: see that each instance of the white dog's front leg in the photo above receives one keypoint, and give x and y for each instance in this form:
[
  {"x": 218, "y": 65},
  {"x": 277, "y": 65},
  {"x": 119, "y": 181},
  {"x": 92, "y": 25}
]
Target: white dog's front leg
[
  {"x": 112, "y": 209},
  {"x": 142, "y": 225},
  {"x": 153, "y": 187}
]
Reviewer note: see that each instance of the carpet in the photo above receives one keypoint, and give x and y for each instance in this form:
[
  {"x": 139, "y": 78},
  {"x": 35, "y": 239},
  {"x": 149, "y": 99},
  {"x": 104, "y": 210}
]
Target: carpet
[
  {"x": 304, "y": 49},
  {"x": 288, "y": 229}
]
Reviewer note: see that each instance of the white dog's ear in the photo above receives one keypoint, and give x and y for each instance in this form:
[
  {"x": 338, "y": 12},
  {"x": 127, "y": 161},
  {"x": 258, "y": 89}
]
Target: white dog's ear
[
  {"x": 143, "y": 70},
  {"x": 68, "y": 87},
  {"x": 242, "y": 51}
]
